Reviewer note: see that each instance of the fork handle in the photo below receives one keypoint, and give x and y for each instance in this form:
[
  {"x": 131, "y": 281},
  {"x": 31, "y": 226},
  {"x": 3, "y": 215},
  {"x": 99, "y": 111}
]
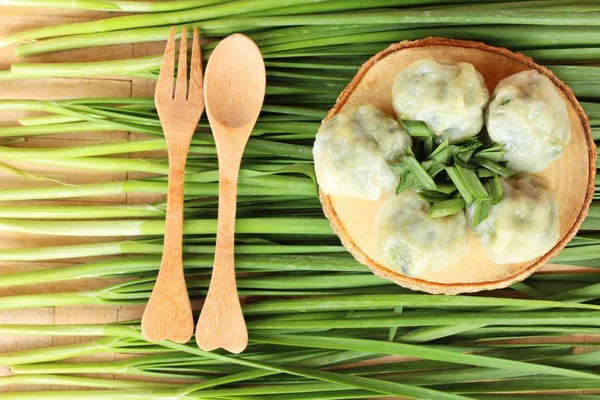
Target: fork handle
[
  {"x": 168, "y": 314},
  {"x": 221, "y": 322}
]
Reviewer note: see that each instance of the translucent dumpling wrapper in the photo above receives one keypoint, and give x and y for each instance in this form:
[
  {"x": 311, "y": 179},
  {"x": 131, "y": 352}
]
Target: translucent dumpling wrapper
[
  {"x": 524, "y": 225},
  {"x": 448, "y": 96},
  {"x": 530, "y": 118},
  {"x": 352, "y": 151},
  {"x": 411, "y": 242}
]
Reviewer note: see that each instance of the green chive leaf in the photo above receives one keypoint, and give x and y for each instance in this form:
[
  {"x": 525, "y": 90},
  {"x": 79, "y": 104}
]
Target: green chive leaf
[
  {"x": 441, "y": 154},
  {"x": 496, "y": 168},
  {"x": 446, "y": 187},
  {"x": 399, "y": 169},
  {"x": 434, "y": 169},
  {"x": 484, "y": 173},
  {"x": 419, "y": 172},
  {"x": 409, "y": 181},
  {"x": 445, "y": 208},
  {"x": 494, "y": 189},
  {"x": 433, "y": 196},
  {"x": 460, "y": 184},
  {"x": 428, "y": 146},
  {"x": 481, "y": 211},
  {"x": 417, "y": 129},
  {"x": 472, "y": 182}
]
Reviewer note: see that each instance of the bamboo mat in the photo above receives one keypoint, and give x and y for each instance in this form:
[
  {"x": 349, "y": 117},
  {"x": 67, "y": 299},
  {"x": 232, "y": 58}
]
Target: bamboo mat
[{"x": 12, "y": 20}]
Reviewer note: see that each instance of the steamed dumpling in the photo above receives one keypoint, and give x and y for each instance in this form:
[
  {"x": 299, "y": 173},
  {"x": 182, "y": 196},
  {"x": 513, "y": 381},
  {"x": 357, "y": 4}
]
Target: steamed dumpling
[
  {"x": 412, "y": 243},
  {"x": 524, "y": 225},
  {"x": 352, "y": 151},
  {"x": 448, "y": 96},
  {"x": 528, "y": 115}
]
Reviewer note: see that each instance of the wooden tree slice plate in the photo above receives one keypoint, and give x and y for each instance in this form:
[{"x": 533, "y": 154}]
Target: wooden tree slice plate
[{"x": 571, "y": 176}]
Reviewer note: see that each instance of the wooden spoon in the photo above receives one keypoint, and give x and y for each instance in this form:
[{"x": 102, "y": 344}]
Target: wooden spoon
[{"x": 234, "y": 91}]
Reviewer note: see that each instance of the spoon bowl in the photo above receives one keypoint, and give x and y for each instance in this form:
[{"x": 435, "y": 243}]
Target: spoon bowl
[{"x": 235, "y": 94}]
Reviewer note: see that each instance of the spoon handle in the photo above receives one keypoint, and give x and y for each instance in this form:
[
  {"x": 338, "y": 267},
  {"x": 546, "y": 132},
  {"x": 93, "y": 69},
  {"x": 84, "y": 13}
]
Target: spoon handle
[
  {"x": 221, "y": 322},
  {"x": 168, "y": 314}
]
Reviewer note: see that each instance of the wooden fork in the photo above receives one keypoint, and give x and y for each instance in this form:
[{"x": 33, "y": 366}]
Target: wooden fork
[{"x": 168, "y": 314}]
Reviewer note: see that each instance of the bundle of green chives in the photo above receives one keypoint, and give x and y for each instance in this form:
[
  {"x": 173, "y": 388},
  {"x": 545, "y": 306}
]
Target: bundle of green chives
[
  {"x": 301, "y": 348},
  {"x": 303, "y": 356},
  {"x": 115, "y": 5},
  {"x": 349, "y": 28}
]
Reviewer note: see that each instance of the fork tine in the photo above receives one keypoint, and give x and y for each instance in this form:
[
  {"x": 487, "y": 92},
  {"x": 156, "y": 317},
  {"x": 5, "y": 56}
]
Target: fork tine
[
  {"x": 164, "y": 86},
  {"x": 181, "y": 86},
  {"x": 195, "y": 90}
]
